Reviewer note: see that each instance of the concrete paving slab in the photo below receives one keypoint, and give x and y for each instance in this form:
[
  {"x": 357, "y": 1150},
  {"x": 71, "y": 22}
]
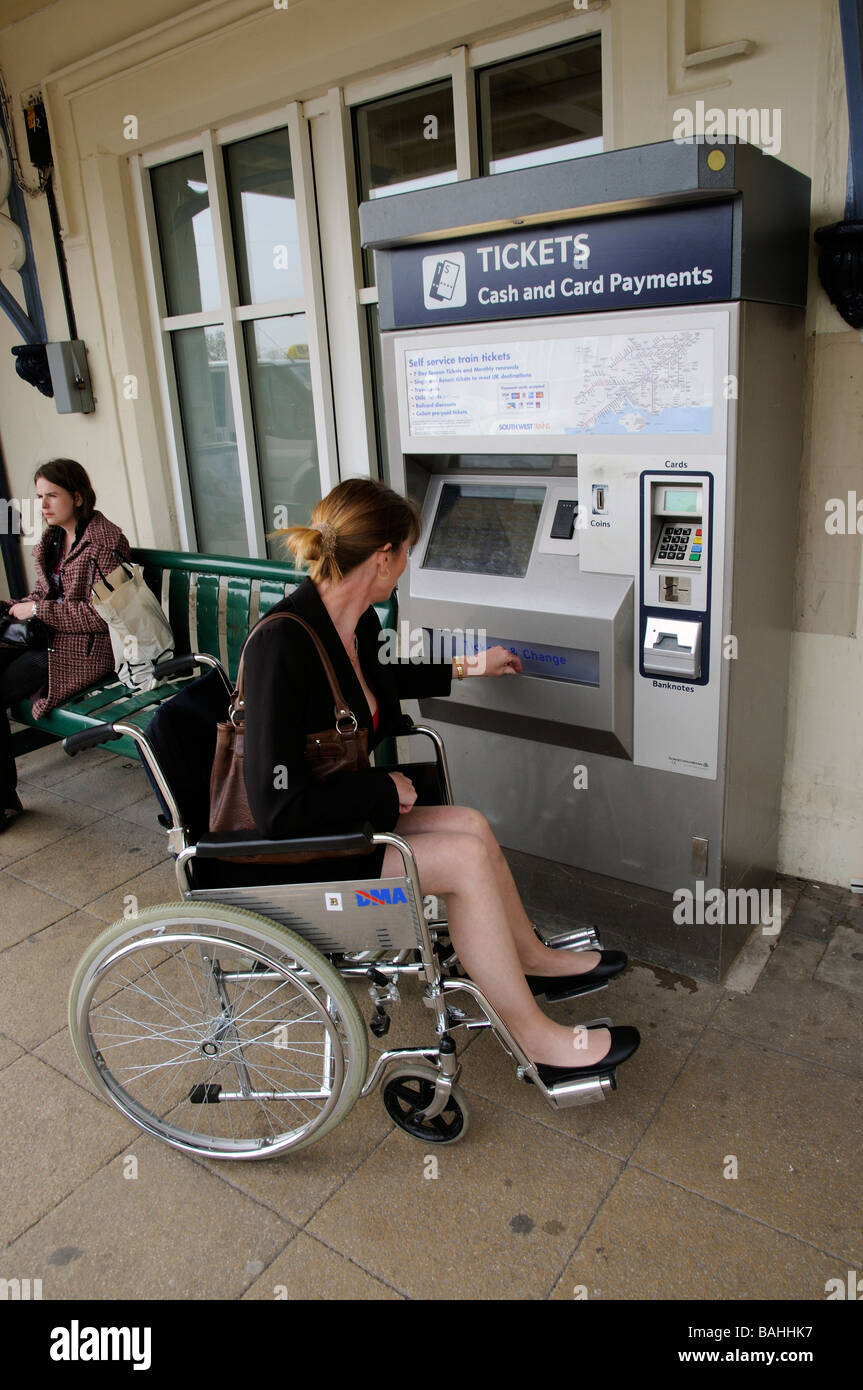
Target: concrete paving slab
[
  {"x": 58, "y": 1052},
  {"x": 842, "y": 962},
  {"x": 104, "y": 854},
  {"x": 296, "y": 1185},
  {"x": 174, "y": 1231},
  {"x": 154, "y": 886},
  {"x": 53, "y": 1138},
  {"x": 48, "y": 819},
  {"x": 793, "y": 1010},
  {"x": 667, "y": 995},
  {"x": 792, "y": 1127},
  {"x": 144, "y": 812},
  {"x": 751, "y": 961},
  {"x": 852, "y": 911},
  {"x": 308, "y": 1269},
  {"x": 9, "y": 1052},
  {"x": 46, "y": 767},
  {"x": 818, "y": 909},
  {"x": 111, "y": 786},
  {"x": 26, "y": 910},
  {"x": 36, "y": 975},
  {"x": 653, "y": 1240},
  {"x": 669, "y": 1010},
  {"x": 791, "y": 889},
  {"x": 499, "y": 1221}
]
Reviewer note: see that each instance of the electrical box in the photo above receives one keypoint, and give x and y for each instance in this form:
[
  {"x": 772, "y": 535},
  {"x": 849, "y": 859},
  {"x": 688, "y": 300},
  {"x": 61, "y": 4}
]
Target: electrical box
[
  {"x": 38, "y": 138},
  {"x": 70, "y": 377}
]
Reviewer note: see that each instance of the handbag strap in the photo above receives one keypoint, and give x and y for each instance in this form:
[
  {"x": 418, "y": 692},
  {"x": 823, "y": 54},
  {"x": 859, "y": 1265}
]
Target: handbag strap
[
  {"x": 341, "y": 707},
  {"x": 124, "y": 565}
]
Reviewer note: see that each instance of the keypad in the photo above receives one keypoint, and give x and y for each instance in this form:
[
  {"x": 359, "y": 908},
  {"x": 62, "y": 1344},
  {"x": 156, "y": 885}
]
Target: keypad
[{"x": 680, "y": 544}]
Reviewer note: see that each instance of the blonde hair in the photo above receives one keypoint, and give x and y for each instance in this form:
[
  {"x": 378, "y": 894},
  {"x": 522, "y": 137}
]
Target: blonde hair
[{"x": 357, "y": 518}]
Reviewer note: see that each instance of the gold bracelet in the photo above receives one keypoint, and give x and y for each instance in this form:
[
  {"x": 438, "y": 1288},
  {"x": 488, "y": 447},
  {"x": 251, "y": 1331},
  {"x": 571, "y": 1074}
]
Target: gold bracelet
[{"x": 459, "y": 670}]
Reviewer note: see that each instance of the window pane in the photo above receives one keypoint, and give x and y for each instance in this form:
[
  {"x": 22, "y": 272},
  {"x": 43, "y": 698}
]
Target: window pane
[
  {"x": 264, "y": 218},
  {"x": 277, "y": 352},
  {"x": 184, "y": 222},
  {"x": 406, "y": 141},
  {"x": 542, "y": 108},
  {"x": 211, "y": 441}
]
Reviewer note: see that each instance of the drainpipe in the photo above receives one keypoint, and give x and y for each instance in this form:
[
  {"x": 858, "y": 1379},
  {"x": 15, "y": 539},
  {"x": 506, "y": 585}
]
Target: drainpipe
[{"x": 840, "y": 263}]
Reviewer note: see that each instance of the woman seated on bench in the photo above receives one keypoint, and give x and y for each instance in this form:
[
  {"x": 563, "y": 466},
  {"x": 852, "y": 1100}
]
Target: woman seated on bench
[
  {"x": 355, "y": 550},
  {"x": 78, "y": 539}
]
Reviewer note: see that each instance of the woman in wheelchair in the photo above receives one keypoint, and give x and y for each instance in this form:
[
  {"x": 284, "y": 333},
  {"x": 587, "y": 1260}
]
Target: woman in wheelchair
[{"x": 354, "y": 550}]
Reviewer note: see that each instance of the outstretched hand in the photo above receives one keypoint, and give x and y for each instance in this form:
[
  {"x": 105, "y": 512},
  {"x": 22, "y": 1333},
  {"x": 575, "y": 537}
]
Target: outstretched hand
[{"x": 496, "y": 661}]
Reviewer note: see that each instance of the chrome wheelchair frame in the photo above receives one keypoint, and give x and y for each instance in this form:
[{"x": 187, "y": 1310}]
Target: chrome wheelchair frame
[{"x": 222, "y": 1024}]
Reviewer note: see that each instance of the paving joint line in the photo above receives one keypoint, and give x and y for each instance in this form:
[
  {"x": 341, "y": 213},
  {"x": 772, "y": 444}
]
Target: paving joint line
[
  {"x": 344, "y": 1256},
  {"x": 746, "y": 1216},
  {"x": 781, "y": 1052}
]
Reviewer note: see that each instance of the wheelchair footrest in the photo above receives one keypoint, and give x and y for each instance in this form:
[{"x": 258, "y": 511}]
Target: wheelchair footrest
[
  {"x": 205, "y": 1094},
  {"x": 583, "y": 1091},
  {"x": 580, "y": 1090},
  {"x": 579, "y": 939}
]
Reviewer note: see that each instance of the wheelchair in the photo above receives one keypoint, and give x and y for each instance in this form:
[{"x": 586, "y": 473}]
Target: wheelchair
[{"x": 223, "y": 1023}]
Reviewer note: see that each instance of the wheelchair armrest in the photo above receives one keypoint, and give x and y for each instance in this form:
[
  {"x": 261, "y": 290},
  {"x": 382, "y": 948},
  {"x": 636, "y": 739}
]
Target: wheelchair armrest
[
  {"x": 88, "y": 738},
  {"x": 247, "y": 843},
  {"x": 188, "y": 661},
  {"x": 410, "y": 729}
]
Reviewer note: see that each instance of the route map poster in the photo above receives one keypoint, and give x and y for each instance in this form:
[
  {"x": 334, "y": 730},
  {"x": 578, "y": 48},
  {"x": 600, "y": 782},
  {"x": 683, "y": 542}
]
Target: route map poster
[{"x": 624, "y": 384}]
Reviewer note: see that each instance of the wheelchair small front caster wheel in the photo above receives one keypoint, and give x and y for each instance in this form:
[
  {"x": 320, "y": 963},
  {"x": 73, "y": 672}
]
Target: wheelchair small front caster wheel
[{"x": 409, "y": 1090}]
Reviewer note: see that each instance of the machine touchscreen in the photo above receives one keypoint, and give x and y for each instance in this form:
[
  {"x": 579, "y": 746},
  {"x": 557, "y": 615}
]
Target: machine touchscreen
[{"x": 484, "y": 529}]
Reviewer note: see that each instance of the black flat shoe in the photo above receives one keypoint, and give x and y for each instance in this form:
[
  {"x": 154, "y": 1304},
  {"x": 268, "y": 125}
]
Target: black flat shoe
[
  {"x": 624, "y": 1041},
  {"x": 557, "y": 987}
]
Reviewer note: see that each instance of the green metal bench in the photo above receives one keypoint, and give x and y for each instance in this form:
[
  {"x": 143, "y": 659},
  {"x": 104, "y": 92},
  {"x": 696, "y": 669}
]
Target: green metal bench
[{"x": 212, "y": 601}]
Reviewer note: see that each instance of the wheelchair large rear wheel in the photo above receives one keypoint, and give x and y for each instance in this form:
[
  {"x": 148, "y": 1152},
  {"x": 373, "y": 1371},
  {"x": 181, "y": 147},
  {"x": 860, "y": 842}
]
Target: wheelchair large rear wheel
[{"x": 218, "y": 1030}]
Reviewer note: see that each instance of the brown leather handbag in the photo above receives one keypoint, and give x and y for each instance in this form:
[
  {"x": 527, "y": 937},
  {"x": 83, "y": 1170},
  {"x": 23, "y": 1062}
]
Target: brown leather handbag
[{"x": 343, "y": 748}]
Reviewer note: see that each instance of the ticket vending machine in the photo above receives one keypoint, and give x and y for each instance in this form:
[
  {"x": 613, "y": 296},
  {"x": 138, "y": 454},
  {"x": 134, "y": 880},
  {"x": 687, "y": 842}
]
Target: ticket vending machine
[{"x": 592, "y": 386}]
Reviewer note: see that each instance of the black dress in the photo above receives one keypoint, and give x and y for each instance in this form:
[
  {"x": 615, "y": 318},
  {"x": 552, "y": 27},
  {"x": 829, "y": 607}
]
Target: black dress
[{"x": 288, "y": 696}]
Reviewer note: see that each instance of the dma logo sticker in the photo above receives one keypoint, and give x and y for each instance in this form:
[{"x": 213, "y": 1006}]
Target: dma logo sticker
[
  {"x": 444, "y": 280},
  {"x": 380, "y": 896}
]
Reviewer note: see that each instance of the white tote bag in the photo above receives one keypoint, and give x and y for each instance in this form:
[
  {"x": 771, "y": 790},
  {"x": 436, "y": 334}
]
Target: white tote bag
[{"x": 140, "y": 632}]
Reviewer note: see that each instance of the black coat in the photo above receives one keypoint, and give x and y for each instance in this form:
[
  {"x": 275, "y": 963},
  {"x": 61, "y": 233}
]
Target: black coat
[{"x": 287, "y": 696}]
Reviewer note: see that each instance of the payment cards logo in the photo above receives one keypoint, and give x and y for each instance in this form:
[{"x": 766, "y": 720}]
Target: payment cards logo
[{"x": 444, "y": 281}]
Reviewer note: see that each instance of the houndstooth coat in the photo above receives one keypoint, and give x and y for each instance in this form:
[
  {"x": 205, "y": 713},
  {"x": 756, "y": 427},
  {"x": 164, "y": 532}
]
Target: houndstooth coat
[{"x": 80, "y": 650}]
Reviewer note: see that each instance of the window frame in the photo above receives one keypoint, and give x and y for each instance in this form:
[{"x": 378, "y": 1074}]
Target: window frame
[
  {"x": 323, "y": 166},
  {"x": 233, "y": 316}
]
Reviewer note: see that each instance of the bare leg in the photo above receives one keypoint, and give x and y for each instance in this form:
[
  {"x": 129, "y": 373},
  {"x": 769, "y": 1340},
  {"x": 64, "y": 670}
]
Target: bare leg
[
  {"x": 535, "y": 958},
  {"x": 460, "y": 867}
]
